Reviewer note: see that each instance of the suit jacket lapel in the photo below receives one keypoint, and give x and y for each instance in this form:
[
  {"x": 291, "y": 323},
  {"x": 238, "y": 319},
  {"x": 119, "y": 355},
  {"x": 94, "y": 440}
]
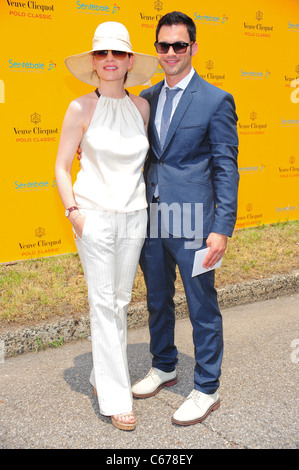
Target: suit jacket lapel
[
  {"x": 153, "y": 134},
  {"x": 181, "y": 109}
]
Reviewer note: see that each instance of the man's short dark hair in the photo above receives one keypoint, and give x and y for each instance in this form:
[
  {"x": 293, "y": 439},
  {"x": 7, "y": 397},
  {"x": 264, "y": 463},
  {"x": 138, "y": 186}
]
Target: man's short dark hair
[{"x": 176, "y": 17}]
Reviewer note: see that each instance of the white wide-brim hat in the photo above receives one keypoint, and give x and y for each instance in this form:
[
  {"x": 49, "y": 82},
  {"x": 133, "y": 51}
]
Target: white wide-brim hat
[{"x": 112, "y": 36}]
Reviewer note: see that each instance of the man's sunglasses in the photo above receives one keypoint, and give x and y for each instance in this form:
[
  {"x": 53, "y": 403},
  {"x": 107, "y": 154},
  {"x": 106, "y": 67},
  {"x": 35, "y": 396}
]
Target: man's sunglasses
[
  {"x": 178, "y": 47},
  {"x": 119, "y": 55}
]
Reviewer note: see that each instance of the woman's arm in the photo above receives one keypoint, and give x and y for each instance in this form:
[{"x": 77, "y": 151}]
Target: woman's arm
[{"x": 71, "y": 135}]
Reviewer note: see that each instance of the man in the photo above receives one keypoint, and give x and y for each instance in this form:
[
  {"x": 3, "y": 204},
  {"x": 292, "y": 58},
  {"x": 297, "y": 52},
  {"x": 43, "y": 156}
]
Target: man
[{"x": 196, "y": 168}]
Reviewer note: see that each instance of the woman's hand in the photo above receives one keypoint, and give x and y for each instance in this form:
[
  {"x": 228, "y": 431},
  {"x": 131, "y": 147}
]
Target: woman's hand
[{"x": 77, "y": 220}]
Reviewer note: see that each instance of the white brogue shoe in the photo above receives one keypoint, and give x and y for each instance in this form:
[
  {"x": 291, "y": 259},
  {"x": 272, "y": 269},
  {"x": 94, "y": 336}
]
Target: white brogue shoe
[
  {"x": 153, "y": 382},
  {"x": 196, "y": 408}
]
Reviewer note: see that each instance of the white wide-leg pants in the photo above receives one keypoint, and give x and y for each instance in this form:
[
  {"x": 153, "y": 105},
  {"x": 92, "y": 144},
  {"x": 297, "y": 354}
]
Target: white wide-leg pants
[{"x": 109, "y": 251}]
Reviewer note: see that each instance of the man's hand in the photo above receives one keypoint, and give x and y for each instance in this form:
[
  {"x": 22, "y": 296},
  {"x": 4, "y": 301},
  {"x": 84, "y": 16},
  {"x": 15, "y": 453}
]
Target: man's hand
[{"x": 217, "y": 244}]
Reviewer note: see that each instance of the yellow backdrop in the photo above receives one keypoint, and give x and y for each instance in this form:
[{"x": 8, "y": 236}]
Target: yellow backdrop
[{"x": 247, "y": 48}]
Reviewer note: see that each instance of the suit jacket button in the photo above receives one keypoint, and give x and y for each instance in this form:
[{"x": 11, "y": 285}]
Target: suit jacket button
[
  {"x": 160, "y": 163},
  {"x": 153, "y": 184}
]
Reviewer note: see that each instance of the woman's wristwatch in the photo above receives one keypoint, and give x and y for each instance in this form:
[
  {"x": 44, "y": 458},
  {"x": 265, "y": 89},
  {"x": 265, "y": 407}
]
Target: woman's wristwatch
[{"x": 70, "y": 209}]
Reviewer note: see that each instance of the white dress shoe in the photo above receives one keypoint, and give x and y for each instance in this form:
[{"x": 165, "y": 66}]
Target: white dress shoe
[
  {"x": 196, "y": 408},
  {"x": 153, "y": 382}
]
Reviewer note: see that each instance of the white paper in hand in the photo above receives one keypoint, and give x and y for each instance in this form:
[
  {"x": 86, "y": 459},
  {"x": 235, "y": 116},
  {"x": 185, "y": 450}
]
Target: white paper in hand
[{"x": 199, "y": 257}]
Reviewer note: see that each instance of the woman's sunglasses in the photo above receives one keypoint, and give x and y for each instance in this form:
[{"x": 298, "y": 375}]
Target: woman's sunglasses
[
  {"x": 178, "y": 47},
  {"x": 119, "y": 55}
]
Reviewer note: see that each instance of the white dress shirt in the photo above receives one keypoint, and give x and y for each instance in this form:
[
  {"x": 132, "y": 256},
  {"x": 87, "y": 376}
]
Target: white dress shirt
[{"x": 162, "y": 98}]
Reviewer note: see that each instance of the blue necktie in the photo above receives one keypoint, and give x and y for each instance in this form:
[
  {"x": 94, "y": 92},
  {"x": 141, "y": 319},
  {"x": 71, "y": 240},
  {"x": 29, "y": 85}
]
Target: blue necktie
[{"x": 170, "y": 94}]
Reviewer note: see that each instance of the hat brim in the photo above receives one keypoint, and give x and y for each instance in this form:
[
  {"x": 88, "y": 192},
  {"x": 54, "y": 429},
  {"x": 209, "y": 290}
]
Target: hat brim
[{"x": 144, "y": 67}]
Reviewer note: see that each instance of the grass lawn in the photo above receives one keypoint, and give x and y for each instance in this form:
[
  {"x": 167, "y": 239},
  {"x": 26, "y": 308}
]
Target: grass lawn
[{"x": 46, "y": 288}]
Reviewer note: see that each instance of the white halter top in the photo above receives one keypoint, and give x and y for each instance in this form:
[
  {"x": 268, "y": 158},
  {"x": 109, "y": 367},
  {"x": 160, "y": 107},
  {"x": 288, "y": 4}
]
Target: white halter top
[{"x": 114, "y": 148}]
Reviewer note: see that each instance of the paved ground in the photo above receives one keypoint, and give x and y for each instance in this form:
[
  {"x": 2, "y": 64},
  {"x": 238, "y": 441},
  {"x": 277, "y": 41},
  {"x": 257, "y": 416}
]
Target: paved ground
[{"x": 46, "y": 401}]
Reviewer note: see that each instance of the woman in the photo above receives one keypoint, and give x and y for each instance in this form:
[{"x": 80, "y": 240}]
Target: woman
[{"x": 107, "y": 204}]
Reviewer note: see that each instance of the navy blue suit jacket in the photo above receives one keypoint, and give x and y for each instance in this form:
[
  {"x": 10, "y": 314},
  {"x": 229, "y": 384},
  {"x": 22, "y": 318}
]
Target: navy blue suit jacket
[{"x": 198, "y": 163}]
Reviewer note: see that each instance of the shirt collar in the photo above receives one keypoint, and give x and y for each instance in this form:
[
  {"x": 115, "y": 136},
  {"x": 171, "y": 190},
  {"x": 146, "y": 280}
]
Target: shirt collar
[{"x": 183, "y": 83}]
